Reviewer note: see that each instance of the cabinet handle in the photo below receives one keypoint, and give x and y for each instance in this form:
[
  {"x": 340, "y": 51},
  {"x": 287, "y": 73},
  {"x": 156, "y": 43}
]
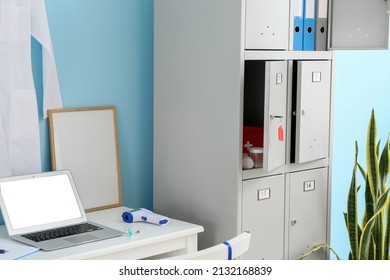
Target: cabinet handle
[
  {"x": 293, "y": 222},
  {"x": 272, "y": 116}
]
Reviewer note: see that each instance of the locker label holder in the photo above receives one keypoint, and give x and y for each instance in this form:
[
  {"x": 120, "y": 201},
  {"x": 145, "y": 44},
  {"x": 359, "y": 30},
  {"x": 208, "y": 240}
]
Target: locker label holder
[
  {"x": 316, "y": 77},
  {"x": 309, "y": 186},
  {"x": 264, "y": 194}
]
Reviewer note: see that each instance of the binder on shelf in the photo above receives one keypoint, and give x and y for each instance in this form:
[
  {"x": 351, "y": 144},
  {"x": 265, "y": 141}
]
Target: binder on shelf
[
  {"x": 297, "y": 9},
  {"x": 309, "y": 14},
  {"x": 321, "y": 25}
]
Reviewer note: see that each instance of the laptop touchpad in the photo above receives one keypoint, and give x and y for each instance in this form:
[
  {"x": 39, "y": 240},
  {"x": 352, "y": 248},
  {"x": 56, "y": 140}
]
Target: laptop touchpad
[{"x": 81, "y": 238}]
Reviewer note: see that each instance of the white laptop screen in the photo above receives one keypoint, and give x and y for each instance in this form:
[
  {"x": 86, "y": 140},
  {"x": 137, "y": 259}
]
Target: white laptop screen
[{"x": 38, "y": 201}]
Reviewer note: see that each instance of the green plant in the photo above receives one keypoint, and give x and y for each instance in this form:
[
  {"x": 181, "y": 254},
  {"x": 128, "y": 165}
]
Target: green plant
[{"x": 370, "y": 239}]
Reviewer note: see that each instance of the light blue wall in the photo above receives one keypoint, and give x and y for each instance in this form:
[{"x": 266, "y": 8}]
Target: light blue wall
[
  {"x": 104, "y": 56},
  {"x": 362, "y": 82}
]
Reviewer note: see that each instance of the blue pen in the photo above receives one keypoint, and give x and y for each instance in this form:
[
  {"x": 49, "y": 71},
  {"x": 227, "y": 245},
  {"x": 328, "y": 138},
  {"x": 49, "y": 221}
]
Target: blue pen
[{"x": 2, "y": 251}]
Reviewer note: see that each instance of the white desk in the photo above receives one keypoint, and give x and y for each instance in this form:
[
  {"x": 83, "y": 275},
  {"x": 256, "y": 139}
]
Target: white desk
[{"x": 151, "y": 241}]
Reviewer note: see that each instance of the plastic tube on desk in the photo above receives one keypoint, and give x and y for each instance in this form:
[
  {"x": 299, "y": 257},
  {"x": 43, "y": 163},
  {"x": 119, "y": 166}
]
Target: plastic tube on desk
[{"x": 144, "y": 215}]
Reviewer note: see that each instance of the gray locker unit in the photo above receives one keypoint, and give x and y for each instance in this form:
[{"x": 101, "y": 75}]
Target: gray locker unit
[
  {"x": 265, "y": 104},
  {"x": 263, "y": 216},
  {"x": 359, "y": 24},
  {"x": 307, "y": 213},
  {"x": 313, "y": 110},
  {"x": 264, "y": 30},
  {"x": 222, "y": 65}
]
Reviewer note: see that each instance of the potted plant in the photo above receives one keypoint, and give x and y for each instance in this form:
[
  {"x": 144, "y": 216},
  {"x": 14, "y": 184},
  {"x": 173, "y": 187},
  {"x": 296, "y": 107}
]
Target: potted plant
[{"x": 369, "y": 239}]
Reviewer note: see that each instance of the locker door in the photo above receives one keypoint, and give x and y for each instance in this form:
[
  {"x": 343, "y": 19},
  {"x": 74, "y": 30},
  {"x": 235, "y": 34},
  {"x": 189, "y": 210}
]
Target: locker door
[
  {"x": 263, "y": 216},
  {"x": 267, "y": 24},
  {"x": 275, "y": 100},
  {"x": 308, "y": 212},
  {"x": 313, "y": 110},
  {"x": 359, "y": 24}
]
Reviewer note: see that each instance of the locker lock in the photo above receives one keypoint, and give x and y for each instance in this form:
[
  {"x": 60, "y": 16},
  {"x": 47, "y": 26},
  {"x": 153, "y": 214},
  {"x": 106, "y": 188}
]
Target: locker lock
[
  {"x": 272, "y": 117},
  {"x": 293, "y": 222}
]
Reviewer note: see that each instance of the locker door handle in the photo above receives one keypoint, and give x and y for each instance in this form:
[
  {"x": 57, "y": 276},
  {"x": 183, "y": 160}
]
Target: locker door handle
[
  {"x": 293, "y": 222},
  {"x": 272, "y": 116}
]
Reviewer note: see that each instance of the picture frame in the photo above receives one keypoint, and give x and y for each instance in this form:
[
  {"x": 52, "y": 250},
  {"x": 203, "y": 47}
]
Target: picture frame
[{"x": 84, "y": 140}]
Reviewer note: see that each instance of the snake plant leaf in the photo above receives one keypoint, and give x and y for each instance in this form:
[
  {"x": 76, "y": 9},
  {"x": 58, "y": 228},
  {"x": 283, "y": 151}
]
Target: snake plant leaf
[
  {"x": 387, "y": 232},
  {"x": 384, "y": 167},
  {"x": 378, "y": 236},
  {"x": 362, "y": 170},
  {"x": 372, "y": 249},
  {"x": 352, "y": 213},
  {"x": 346, "y": 219},
  {"x": 365, "y": 240},
  {"x": 356, "y": 153},
  {"x": 372, "y": 157},
  {"x": 317, "y": 247},
  {"x": 369, "y": 210}
]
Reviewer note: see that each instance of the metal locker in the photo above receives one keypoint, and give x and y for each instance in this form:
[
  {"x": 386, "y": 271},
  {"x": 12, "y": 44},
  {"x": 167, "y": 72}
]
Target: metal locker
[
  {"x": 263, "y": 216},
  {"x": 275, "y": 107},
  {"x": 359, "y": 24},
  {"x": 313, "y": 110},
  {"x": 265, "y": 101},
  {"x": 307, "y": 223},
  {"x": 267, "y": 24}
]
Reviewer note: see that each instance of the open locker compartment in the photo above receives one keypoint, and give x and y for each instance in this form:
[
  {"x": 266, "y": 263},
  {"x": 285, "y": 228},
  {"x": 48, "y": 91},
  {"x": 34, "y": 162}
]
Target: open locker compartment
[{"x": 265, "y": 101}]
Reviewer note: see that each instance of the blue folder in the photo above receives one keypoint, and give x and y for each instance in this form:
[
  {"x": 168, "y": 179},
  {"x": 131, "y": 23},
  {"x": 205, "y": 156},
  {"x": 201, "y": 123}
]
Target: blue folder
[
  {"x": 309, "y": 25},
  {"x": 297, "y": 10},
  {"x": 298, "y": 25}
]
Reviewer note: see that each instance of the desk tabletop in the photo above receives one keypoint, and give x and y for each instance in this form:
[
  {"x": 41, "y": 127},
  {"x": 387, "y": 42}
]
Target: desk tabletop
[{"x": 149, "y": 234}]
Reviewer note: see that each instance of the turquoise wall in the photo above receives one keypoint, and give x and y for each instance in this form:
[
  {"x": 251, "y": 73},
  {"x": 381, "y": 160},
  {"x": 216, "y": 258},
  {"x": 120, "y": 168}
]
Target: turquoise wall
[
  {"x": 104, "y": 55},
  {"x": 362, "y": 82}
]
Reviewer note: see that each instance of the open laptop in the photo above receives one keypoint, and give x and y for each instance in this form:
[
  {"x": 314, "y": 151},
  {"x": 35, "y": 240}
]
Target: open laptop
[{"x": 44, "y": 210}]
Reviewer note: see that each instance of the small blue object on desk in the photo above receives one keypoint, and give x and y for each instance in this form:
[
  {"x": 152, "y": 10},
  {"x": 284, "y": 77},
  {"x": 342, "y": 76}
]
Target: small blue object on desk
[{"x": 2, "y": 251}]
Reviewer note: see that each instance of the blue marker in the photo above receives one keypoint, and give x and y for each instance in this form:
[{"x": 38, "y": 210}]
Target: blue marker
[{"x": 2, "y": 251}]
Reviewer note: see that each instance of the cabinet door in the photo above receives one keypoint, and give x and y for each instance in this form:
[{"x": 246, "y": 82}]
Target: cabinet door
[
  {"x": 267, "y": 24},
  {"x": 307, "y": 212},
  {"x": 263, "y": 216},
  {"x": 313, "y": 110},
  {"x": 359, "y": 24},
  {"x": 275, "y": 100}
]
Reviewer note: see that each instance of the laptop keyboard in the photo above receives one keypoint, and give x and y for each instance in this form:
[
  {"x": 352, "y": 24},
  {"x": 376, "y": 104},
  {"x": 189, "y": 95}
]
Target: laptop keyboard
[{"x": 60, "y": 232}]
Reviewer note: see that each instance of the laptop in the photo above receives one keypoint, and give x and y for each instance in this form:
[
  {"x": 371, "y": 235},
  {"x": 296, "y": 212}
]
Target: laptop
[{"x": 44, "y": 210}]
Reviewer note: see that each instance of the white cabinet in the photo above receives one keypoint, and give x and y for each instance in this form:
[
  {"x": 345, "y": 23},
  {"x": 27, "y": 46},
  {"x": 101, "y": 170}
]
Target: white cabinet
[{"x": 224, "y": 65}]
